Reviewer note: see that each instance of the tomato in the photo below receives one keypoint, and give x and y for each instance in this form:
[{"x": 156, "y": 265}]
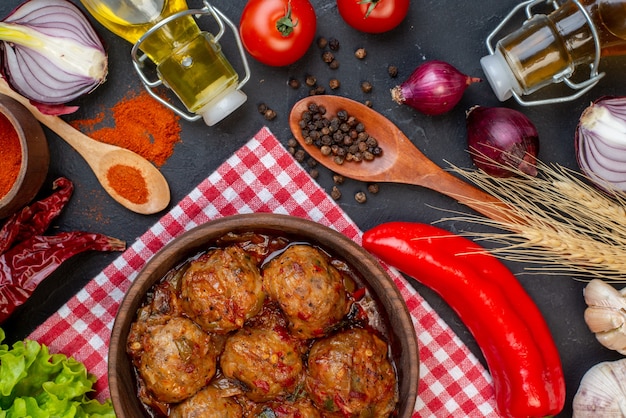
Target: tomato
[
  {"x": 277, "y": 32},
  {"x": 373, "y": 16}
]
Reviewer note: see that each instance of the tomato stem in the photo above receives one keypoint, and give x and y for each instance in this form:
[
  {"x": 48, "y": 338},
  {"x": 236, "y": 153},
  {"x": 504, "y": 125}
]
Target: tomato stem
[
  {"x": 371, "y": 6},
  {"x": 286, "y": 24}
]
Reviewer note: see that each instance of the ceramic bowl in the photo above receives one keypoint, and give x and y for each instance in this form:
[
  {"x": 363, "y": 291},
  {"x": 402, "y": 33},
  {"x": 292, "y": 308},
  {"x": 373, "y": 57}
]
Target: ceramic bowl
[
  {"x": 35, "y": 157},
  {"x": 402, "y": 334}
]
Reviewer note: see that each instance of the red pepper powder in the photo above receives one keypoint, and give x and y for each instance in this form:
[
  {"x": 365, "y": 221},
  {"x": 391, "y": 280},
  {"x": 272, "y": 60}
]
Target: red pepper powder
[
  {"x": 140, "y": 124},
  {"x": 129, "y": 183},
  {"x": 10, "y": 155}
]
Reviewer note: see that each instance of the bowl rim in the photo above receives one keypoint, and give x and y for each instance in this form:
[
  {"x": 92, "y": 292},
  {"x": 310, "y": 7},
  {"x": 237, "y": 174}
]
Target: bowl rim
[
  {"x": 172, "y": 255},
  {"x": 19, "y": 116}
]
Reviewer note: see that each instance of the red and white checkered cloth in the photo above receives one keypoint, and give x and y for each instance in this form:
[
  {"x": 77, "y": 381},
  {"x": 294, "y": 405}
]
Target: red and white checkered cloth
[{"x": 263, "y": 177}]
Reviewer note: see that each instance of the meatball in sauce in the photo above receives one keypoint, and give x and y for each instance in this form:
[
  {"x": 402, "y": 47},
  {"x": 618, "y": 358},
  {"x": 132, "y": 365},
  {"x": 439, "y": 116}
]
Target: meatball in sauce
[
  {"x": 309, "y": 290},
  {"x": 222, "y": 289}
]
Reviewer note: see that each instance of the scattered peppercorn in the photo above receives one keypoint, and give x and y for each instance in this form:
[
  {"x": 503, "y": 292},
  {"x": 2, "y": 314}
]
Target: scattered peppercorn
[
  {"x": 311, "y": 162},
  {"x": 310, "y": 80},
  {"x": 373, "y": 188},
  {"x": 338, "y": 178},
  {"x": 393, "y": 71},
  {"x": 314, "y": 173},
  {"x": 366, "y": 86},
  {"x": 328, "y": 57},
  {"x": 334, "y": 84},
  {"x": 322, "y": 42},
  {"x": 269, "y": 114},
  {"x": 294, "y": 83},
  {"x": 262, "y": 107},
  {"x": 319, "y": 90},
  {"x": 299, "y": 155},
  {"x": 360, "y": 197},
  {"x": 292, "y": 142},
  {"x": 333, "y": 44},
  {"x": 360, "y": 53},
  {"x": 334, "y": 64},
  {"x": 335, "y": 193},
  {"x": 368, "y": 103}
]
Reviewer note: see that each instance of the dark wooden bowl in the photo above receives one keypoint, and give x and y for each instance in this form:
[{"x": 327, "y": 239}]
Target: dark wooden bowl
[
  {"x": 402, "y": 334},
  {"x": 35, "y": 157}
]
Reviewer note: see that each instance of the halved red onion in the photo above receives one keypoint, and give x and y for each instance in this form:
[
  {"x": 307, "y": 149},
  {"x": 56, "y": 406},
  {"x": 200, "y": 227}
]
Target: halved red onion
[
  {"x": 600, "y": 143},
  {"x": 50, "y": 52}
]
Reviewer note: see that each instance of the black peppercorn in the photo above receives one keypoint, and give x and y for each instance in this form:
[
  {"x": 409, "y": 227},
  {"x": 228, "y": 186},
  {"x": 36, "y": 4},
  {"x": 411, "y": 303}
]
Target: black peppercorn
[
  {"x": 366, "y": 86},
  {"x": 393, "y": 71},
  {"x": 360, "y": 197},
  {"x": 360, "y": 53},
  {"x": 333, "y": 44}
]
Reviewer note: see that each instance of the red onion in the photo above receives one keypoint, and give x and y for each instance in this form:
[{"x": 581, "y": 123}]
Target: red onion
[
  {"x": 51, "y": 53},
  {"x": 434, "y": 88},
  {"x": 500, "y": 137},
  {"x": 601, "y": 143}
]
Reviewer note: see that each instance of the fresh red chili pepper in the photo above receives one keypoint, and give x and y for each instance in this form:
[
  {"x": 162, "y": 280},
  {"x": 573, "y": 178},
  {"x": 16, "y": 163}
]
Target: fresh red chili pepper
[
  {"x": 36, "y": 218},
  {"x": 509, "y": 328},
  {"x": 25, "y": 265}
]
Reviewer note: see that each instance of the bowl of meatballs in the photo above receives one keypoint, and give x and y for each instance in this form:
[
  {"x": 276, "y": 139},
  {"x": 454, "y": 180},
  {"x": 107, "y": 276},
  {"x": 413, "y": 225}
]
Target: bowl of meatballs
[{"x": 263, "y": 315}]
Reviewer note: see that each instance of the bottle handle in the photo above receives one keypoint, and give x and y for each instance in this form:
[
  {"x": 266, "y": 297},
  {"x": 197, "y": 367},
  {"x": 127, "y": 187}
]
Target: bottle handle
[
  {"x": 579, "y": 88},
  {"x": 150, "y": 85}
]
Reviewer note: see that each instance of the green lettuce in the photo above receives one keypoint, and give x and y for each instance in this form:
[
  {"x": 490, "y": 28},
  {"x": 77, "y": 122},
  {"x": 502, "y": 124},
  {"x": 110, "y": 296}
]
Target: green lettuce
[{"x": 37, "y": 384}]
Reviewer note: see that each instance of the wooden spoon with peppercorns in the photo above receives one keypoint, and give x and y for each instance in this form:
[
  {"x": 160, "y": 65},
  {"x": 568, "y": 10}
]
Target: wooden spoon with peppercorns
[
  {"x": 399, "y": 162},
  {"x": 129, "y": 178}
]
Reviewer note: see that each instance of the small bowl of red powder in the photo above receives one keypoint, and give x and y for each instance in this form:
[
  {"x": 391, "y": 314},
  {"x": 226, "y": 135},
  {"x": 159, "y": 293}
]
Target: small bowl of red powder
[{"x": 24, "y": 156}]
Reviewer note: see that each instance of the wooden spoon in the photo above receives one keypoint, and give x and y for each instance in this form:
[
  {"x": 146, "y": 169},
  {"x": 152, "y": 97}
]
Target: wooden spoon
[
  {"x": 401, "y": 161},
  {"x": 101, "y": 157}
]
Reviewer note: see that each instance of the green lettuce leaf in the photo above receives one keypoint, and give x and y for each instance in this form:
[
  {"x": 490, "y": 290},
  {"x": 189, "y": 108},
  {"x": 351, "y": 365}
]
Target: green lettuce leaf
[{"x": 37, "y": 384}]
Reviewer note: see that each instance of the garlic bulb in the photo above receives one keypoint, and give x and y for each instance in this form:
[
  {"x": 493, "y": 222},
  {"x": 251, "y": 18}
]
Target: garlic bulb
[
  {"x": 606, "y": 314},
  {"x": 602, "y": 391}
]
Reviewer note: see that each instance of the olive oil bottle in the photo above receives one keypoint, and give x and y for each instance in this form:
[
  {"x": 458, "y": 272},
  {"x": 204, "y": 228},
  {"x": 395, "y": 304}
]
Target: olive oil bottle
[
  {"x": 549, "y": 47},
  {"x": 188, "y": 61}
]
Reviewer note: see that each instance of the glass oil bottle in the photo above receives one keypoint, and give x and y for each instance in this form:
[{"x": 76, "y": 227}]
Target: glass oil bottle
[
  {"x": 547, "y": 49},
  {"x": 188, "y": 61}
]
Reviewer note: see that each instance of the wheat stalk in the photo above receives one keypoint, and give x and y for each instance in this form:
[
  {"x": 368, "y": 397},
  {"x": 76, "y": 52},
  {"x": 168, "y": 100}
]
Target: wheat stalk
[{"x": 558, "y": 221}]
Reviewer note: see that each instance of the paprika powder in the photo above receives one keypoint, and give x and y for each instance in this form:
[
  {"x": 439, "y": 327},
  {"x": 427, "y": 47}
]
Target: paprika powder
[
  {"x": 129, "y": 183},
  {"x": 10, "y": 155},
  {"x": 140, "y": 124}
]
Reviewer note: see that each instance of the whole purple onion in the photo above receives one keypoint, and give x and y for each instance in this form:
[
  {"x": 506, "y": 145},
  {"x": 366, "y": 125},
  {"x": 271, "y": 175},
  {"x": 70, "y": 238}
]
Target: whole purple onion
[
  {"x": 434, "y": 88},
  {"x": 499, "y": 138}
]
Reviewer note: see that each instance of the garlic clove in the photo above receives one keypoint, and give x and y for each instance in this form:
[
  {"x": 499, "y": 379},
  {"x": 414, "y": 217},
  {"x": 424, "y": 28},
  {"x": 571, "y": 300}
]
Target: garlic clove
[
  {"x": 600, "y": 293},
  {"x": 603, "y": 319},
  {"x": 602, "y": 391},
  {"x": 614, "y": 340}
]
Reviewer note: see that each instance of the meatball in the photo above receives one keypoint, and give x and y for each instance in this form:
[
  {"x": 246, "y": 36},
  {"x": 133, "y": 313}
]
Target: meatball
[
  {"x": 210, "y": 402},
  {"x": 222, "y": 289},
  {"x": 309, "y": 290},
  {"x": 350, "y": 375},
  {"x": 266, "y": 361},
  {"x": 300, "y": 408},
  {"x": 174, "y": 359}
]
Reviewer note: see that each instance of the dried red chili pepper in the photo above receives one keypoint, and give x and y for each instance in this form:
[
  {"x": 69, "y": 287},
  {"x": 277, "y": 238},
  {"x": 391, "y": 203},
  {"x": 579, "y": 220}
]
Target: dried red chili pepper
[
  {"x": 25, "y": 265},
  {"x": 506, "y": 323},
  {"x": 36, "y": 218}
]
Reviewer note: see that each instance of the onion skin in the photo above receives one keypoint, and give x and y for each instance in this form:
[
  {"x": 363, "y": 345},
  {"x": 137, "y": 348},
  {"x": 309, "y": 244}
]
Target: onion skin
[
  {"x": 600, "y": 143},
  {"x": 50, "y": 53},
  {"x": 503, "y": 142},
  {"x": 434, "y": 88}
]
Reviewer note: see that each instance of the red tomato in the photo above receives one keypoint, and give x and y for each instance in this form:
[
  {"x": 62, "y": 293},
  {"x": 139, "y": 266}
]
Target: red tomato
[
  {"x": 265, "y": 30},
  {"x": 373, "y": 16}
]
